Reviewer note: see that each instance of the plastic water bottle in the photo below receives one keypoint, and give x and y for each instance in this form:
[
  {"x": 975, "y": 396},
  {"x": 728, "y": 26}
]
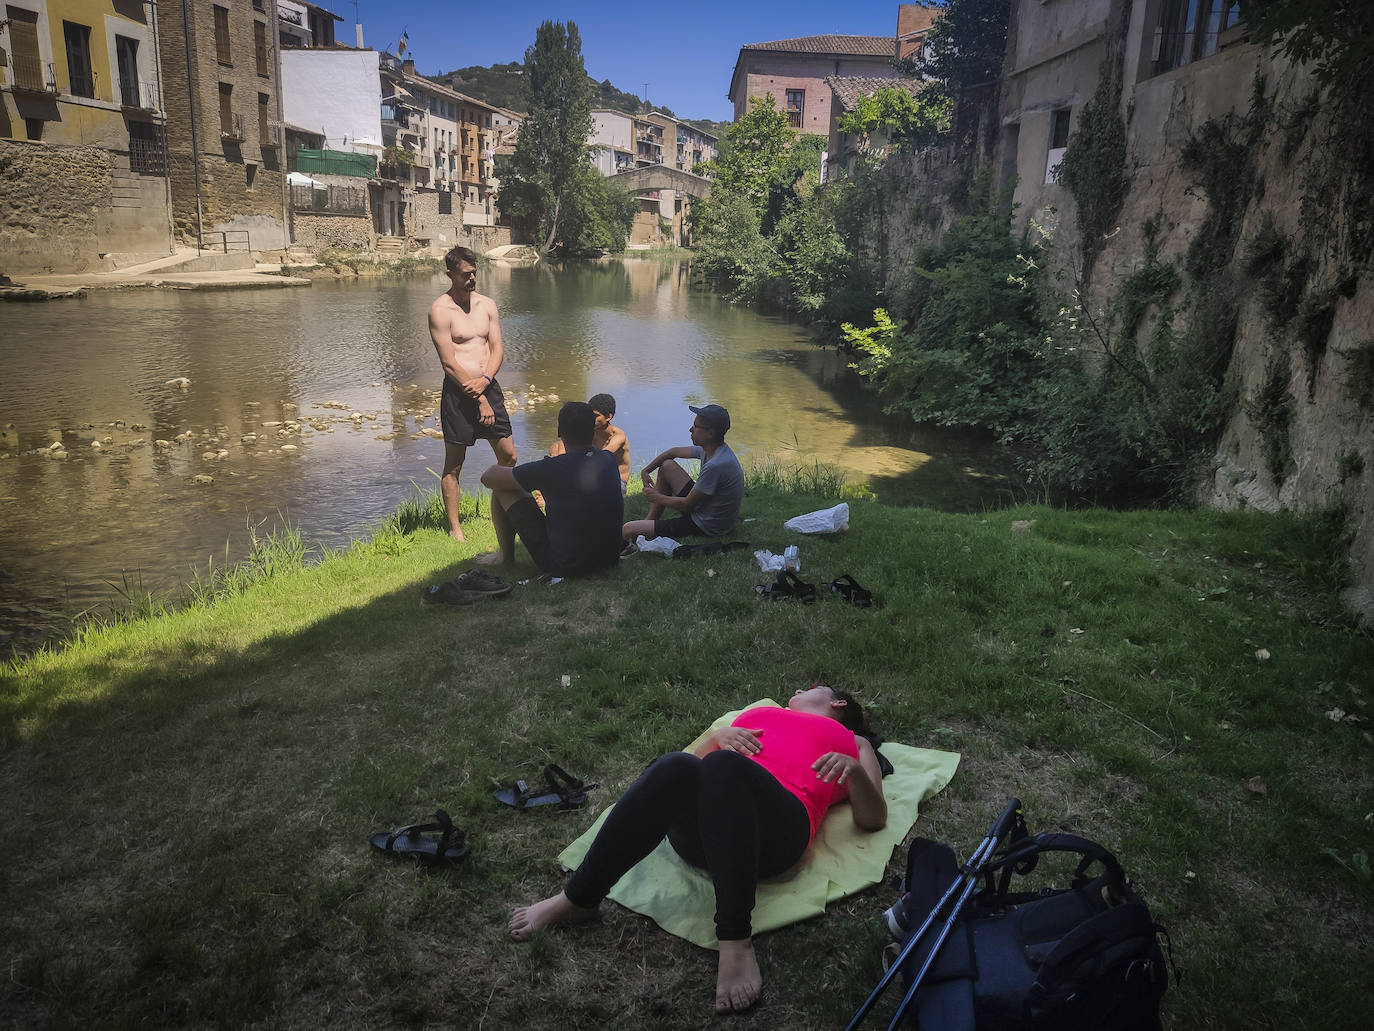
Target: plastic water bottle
[{"x": 791, "y": 560}]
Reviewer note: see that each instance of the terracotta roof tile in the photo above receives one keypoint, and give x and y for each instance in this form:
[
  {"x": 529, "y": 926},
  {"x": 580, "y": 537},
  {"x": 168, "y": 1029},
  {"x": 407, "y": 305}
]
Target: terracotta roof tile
[
  {"x": 859, "y": 46},
  {"x": 849, "y": 88}
]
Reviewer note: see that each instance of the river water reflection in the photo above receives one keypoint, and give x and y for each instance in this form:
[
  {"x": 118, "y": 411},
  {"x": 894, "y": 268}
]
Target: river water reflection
[{"x": 205, "y": 370}]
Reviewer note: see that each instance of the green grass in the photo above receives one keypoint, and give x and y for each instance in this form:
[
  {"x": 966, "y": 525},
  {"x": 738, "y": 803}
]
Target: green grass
[{"x": 189, "y": 795}]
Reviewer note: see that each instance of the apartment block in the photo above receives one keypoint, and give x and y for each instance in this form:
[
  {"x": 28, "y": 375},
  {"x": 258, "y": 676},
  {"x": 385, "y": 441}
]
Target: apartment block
[
  {"x": 683, "y": 145},
  {"x": 440, "y": 152}
]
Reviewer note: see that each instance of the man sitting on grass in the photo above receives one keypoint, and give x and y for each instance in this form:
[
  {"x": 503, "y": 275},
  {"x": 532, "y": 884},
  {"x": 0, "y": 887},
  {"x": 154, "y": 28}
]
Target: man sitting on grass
[
  {"x": 607, "y": 437},
  {"x": 581, "y": 487},
  {"x": 705, "y": 507}
]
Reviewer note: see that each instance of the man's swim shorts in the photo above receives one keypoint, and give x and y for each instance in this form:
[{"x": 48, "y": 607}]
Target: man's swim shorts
[{"x": 459, "y": 415}]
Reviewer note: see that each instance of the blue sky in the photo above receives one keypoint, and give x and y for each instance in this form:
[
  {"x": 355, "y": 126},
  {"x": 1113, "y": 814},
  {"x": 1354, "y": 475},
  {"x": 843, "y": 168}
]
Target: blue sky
[{"x": 685, "y": 52}]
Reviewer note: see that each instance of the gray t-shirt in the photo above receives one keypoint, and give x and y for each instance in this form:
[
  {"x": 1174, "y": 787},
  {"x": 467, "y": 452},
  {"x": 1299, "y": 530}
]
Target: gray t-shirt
[{"x": 723, "y": 479}]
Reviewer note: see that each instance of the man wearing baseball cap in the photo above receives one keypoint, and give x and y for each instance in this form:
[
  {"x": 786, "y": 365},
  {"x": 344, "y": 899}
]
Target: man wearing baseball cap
[{"x": 708, "y": 506}]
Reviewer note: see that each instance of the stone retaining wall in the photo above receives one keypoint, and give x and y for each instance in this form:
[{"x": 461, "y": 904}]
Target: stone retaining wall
[
  {"x": 483, "y": 238},
  {"x": 427, "y": 227},
  {"x": 338, "y": 232},
  {"x": 68, "y": 209}
]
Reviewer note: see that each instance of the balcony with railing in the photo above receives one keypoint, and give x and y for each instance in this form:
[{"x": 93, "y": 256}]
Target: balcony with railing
[
  {"x": 31, "y": 75},
  {"x": 139, "y": 96},
  {"x": 269, "y": 136},
  {"x": 231, "y": 127}
]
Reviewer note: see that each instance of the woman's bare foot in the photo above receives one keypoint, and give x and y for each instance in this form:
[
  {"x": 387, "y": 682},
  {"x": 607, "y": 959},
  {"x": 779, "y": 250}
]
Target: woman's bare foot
[
  {"x": 490, "y": 558},
  {"x": 738, "y": 981},
  {"x": 457, "y": 535},
  {"x": 557, "y": 909}
]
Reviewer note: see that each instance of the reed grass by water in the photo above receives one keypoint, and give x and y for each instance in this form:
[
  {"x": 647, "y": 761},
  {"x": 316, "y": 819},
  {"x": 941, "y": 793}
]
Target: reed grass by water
[{"x": 191, "y": 793}]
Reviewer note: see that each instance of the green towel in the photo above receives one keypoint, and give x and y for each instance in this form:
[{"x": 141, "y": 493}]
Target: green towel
[{"x": 841, "y": 861}]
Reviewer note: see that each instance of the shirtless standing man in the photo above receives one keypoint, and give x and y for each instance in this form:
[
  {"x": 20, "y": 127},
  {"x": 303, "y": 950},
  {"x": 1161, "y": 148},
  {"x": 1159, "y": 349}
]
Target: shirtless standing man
[{"x": 467, "y": 335}]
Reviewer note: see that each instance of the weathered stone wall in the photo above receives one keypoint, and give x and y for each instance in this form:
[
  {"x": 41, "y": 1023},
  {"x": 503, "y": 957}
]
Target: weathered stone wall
[
  {"x": 1328, "y": 437},
  {"x": 428, "y": 228},
  {"x": 231, "y": 203},
  {"x": 916, "y": 197},
  {"x": 338, "y": 232},
  {"x": 1328, "y": 434},
  {"x": 74, "y": 209},
  {"x": 484, "y": 238},
  {"x": 48, "y": 202}
]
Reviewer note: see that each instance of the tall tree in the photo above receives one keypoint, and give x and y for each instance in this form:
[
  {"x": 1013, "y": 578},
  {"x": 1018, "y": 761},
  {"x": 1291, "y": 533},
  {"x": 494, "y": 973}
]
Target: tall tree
[
  {"x": 553, "y": 140},
  {"x": 754, "y": 151}
]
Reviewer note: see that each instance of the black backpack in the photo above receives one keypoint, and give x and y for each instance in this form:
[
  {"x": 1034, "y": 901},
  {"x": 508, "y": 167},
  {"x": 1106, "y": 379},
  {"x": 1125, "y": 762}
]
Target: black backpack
[{"x": 1083, "y": 957}]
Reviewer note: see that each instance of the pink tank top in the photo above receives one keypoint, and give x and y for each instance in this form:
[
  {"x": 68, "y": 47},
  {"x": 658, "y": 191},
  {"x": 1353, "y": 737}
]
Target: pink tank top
[{"x": 791, "y": 742}]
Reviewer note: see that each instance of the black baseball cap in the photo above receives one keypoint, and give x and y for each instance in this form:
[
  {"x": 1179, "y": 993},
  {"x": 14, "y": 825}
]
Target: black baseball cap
[{"x": 714, "y": 417}]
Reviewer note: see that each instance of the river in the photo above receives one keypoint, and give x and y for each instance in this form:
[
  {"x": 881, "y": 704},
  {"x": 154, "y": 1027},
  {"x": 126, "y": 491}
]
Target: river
[{"x": 222, "y": 376}]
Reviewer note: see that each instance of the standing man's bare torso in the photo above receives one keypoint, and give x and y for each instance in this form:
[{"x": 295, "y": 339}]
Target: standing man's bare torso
[{"x": 467, "y": 332}]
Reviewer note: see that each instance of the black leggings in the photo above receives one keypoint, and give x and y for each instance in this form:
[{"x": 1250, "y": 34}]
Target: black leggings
[{"x": 724, "y": 813}]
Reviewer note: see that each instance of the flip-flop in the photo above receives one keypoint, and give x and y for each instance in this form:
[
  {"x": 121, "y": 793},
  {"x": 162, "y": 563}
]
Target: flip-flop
[
  {"x": 848, "y": 588},
  {"x": 417, "y": 841},
  {"x": 561, "y": 789}
]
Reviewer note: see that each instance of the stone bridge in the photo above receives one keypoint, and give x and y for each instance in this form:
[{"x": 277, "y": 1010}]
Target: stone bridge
[{"x": 661, "y": 177}]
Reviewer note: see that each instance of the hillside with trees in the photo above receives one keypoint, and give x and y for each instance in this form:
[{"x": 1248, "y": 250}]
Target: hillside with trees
[{"x": 503, "y": 85}]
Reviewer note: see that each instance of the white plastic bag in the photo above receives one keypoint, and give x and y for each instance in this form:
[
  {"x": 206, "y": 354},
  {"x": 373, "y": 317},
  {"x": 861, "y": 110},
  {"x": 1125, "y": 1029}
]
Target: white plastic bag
[
  {"x": 827, "y": 520},
  {"x": 657, "y": 546},
  {"x": 768, "y": 562}
]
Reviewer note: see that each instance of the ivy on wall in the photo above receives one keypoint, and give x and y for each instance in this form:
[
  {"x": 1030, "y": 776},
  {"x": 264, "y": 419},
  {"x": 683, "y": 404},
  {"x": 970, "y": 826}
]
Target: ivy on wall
[{"x": 1093, "y": 168}]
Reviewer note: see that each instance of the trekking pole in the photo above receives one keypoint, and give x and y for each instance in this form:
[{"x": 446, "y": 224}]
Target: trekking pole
[
  {"x": 1004, "y": 825},
  {"x": 968, "y": 875}
]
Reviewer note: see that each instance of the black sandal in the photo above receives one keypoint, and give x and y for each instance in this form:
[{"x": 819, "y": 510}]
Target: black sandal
[
  {"x": 848, "y": 588},
  {"x": 788, "y": 585},
  {"x": 780, "y": 588},
  {"x": 560, "y": 788},
  {"x": 417, "y": 842},
  {"x": 801, "y": 590}
]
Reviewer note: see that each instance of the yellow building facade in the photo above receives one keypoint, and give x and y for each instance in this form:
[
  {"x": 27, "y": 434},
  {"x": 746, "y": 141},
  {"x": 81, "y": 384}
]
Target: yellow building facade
[{"x": 82, "y": 153}]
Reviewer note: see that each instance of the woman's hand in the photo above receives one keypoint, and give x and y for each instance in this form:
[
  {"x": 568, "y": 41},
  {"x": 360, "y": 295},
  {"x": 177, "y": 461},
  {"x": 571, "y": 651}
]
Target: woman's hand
[
  {"x": 737, "y": 739},
  {"x": 834, "y": 766}
]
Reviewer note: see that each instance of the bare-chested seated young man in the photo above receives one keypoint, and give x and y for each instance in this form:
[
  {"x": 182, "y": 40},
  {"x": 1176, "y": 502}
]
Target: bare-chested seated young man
[
  {"x": 707, "y": 506},
  {"x": 467, "y": 335},
  {"x": 607, "y": 437},
  {"x": 581, "y": 532}
]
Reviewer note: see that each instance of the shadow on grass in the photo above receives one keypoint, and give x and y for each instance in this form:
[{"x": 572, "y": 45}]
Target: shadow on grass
[{"x": 191, "y": 798}]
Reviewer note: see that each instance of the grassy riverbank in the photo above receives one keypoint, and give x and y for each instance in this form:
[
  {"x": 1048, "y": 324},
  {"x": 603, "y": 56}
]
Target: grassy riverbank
[{"x": 189, "y": 797}]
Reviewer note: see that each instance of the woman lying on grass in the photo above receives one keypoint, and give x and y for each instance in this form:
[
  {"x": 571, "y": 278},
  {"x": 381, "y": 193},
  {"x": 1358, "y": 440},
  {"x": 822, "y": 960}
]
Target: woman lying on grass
[{"x": 746, "y": 805}]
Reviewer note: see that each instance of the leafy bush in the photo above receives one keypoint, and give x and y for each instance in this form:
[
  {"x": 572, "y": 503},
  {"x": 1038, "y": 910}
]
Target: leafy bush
[
  {"x": 1093, "y": 168},
  {"x": 970, "y": 348}
]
